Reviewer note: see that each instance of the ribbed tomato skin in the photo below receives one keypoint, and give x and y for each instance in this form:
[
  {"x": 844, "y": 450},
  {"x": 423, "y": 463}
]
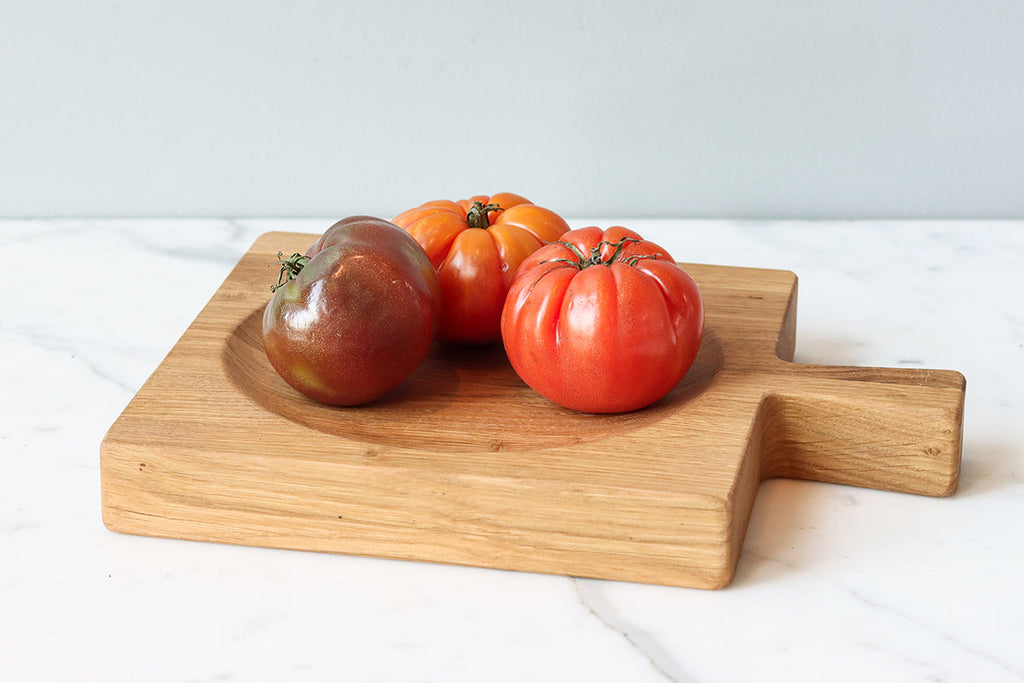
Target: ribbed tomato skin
[
  {"x": 602, "y": 338},
  {"x": 477, "y": 259}
]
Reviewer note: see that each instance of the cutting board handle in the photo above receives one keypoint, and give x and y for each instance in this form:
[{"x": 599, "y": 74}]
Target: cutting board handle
[{"x": 884, "y": 428}]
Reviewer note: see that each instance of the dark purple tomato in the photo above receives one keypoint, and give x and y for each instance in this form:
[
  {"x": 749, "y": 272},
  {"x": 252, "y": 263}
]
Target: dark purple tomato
[{"x": 357, "y": 315}]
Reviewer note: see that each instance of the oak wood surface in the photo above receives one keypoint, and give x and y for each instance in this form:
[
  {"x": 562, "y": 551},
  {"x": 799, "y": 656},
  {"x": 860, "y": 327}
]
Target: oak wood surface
[{"x": 465, "y": 464}]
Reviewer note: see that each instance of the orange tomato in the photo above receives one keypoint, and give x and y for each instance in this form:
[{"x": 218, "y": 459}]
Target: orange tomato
[{"x": 476, "y": 245}]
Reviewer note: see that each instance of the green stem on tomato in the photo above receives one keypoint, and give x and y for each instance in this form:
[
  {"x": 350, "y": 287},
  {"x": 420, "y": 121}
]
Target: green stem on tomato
[
  {"x": 619, "y": 246},
  {"x": 594, "y": 258},
  {"x": 290, "y": 268},
  {"x": 477, "y": 217}
]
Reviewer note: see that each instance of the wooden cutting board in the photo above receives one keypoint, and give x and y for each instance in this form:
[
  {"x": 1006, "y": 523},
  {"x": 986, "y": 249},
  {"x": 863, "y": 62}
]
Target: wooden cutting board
[{"x": 465, "y": 464}]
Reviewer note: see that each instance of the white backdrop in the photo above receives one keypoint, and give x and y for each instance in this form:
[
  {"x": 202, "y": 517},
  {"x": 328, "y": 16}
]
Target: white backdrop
[{"x": 757, "y": 108}]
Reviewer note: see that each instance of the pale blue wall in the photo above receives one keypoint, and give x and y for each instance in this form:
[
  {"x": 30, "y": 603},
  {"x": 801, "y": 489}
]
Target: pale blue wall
[{"x": 763, "y": 108}]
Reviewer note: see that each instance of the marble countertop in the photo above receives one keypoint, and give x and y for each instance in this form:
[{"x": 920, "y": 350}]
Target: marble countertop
[{"x": 834, "y": 583}]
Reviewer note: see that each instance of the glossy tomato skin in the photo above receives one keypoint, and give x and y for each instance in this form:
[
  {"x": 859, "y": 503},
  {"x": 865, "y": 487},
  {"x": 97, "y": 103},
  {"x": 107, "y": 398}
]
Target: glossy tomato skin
[
  {"x": 358, "y": 318},
  {"x": 604, "y": 338},
  {"x": 476, "y": 256}
]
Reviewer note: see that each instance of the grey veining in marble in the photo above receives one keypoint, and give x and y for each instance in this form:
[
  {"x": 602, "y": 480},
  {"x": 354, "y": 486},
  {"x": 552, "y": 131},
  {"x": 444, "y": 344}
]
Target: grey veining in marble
[{"x": 834, "y": 583}]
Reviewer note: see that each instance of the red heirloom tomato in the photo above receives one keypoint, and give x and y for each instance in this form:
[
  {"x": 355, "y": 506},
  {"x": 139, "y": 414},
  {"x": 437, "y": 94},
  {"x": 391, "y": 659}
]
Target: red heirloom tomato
[
  {"x": 603, "y": 321},
  {"x": 477, "y": 244},
  {"x": 357, "y": 313}
]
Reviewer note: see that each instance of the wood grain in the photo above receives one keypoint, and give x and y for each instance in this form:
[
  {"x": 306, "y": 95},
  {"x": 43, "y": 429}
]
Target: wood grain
[{"x": 464, "y": 464}]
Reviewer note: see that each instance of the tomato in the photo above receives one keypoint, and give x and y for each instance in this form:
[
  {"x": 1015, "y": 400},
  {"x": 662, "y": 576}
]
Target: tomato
[
  {"x": 602, "y": 321},
  {"x": 476, "y": 245},
  {"x": 356, "y": 315}
]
